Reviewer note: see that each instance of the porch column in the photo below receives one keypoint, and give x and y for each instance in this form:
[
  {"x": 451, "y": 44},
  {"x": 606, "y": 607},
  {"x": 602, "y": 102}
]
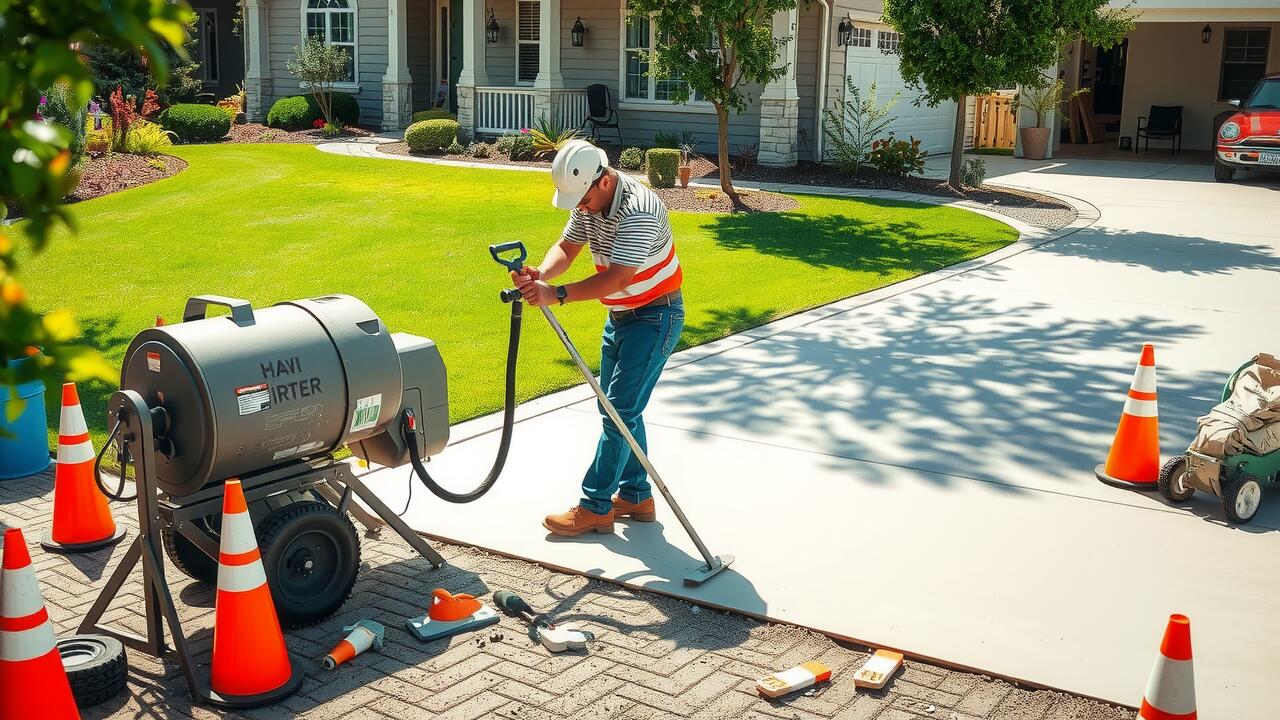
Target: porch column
[
  {"x": 780, "y": 101},
  {"x": 549, "y": 79},
  {"x": 397, "y": 86},
  {"x": 473, "y": 63},
  {"x": 257, "y": 74}
]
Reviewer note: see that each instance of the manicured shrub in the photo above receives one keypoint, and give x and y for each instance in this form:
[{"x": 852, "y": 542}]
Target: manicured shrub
[
  {"x": 480, "y": 150},
  {"x": 196, "y": 123},
  {"x": 898, "y": 158},
  {"x": 521, "y": 147},
  {"x": 431, "y": 135},
  {"x": 973, "y": 172},
  {"x": 299, "y": 112},
  {"x": 631, "y": 159},
  {"x": 58, "y": 108},
  {"x": 504, "y": 143},
  {"x": 436, "y": 114},
  {"x": 663, "y": 139},
  {"x": 662, "y": 164},
  {"x": 456, "y": 148}
]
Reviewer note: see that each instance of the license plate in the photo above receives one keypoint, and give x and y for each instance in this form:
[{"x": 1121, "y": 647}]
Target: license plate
[{"x": 1269, "y": 158}]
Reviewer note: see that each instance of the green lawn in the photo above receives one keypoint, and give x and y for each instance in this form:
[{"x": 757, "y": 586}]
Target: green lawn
[{"x": 277, "y": 222}]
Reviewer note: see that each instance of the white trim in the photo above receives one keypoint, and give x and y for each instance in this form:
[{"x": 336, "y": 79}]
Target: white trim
[
  {"x": 343, "y": 86},
  {"x": 704, "y": 107},
  {"x": 443, "y": 47},
  {"x": 629, "y": 103},
  {"x": 353, "y": 9}
]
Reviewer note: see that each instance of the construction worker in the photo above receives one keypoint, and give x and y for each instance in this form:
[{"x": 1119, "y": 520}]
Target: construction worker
[{"x": 638, "y": 276}]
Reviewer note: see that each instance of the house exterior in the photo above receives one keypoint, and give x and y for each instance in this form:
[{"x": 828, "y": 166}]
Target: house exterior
[
  {"x": 405, "y": 50},
  {"x": 219, "y": 48}
]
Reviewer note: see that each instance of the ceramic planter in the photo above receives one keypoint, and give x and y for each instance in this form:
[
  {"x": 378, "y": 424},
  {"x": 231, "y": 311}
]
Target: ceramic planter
[{"x": 1035, "y": 142}]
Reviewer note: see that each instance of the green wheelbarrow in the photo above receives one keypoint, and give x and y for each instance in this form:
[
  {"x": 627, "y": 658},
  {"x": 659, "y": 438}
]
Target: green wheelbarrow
[{"x": 1236, "y": 480}]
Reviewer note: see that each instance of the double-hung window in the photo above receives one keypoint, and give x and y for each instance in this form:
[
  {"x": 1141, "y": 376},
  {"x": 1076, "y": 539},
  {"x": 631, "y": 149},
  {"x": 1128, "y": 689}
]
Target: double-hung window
[
  {"x": 528, "y": 37},
  {"x": 1244, "y": 61},
  {"x": 333, "y": 22},
  {"x": 207, "y": 44},
  {"x": 641, "y": 38}
]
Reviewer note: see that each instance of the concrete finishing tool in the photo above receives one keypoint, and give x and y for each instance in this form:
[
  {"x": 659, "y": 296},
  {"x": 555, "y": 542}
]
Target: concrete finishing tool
[
  {"x": 556, "y": 638},
  {"x": 450, "y": 615},
  {"x": 712, "y": 564}
]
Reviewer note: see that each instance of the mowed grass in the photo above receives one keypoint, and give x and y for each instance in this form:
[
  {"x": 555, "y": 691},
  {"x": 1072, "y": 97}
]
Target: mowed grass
[{"x": 277, "y": 222}]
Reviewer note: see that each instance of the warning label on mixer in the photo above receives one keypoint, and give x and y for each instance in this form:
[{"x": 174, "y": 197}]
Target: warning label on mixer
[
  {"x": 153, "y": 361},
  {"x": 367, "y": 411},
  {"x": 253, "y": 398}
]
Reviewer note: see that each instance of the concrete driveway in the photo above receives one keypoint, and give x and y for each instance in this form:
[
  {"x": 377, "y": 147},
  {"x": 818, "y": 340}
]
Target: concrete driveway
[{"x": 917, "y": 471}]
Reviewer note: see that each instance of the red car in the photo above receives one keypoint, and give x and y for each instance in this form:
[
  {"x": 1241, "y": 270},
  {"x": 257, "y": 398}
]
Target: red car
[{"x": 1250, "y": 138}]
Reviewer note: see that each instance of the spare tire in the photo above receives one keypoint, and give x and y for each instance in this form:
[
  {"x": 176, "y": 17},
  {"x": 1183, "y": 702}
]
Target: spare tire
[{"x": 96, "y": 666}]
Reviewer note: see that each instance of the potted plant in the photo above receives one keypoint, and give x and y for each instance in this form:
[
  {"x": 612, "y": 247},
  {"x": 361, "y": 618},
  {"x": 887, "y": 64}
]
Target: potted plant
[
  {"x": 685, "y": 170},
  {"x": 1042, "y": 98}
]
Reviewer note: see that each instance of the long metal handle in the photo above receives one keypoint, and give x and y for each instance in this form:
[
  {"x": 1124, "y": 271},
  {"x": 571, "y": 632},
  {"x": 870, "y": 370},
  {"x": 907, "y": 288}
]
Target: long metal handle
[{"x": 711, "y": 560}]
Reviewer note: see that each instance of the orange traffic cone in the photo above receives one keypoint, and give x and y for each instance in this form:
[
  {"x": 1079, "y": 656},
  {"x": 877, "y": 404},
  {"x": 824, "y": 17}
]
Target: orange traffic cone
[
  {"x": 1134, "y": 459},
  {"x": 81, "y": 519},
  {"x": 33, "y": 683},
  {"x": 251, "y": 665},
  {"x": 365, "y": 634},
  {"x": 1171, "y": 691}
]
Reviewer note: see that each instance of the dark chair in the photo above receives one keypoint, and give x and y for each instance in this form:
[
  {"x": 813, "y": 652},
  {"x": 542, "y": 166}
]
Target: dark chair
[
  {"x": 1164, "y": 122},
  {"x": 601, "y": 112}
]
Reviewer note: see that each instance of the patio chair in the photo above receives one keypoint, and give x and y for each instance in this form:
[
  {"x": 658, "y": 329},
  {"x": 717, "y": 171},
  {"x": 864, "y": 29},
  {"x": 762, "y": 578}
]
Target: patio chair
[
  {"x": 601, "y": 112},
  {"x": 1163, "y": 122}
]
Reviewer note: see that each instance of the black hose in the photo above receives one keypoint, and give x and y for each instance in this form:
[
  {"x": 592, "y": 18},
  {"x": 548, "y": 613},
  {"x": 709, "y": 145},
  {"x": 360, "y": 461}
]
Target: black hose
[
  {"x": 118, "y": 495},
  {"x": 508, "y": 420}
]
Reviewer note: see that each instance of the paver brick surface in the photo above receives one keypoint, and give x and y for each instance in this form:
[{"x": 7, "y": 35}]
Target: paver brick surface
[{"x": 653, "y": 657}]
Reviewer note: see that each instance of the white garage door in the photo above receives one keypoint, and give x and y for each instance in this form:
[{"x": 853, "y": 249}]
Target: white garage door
[{"x": 866, "y": 63}]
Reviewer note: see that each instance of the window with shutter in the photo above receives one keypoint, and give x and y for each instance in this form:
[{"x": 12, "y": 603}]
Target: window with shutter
[
  {"x": 527, "y": 37},
  {"x": 1244, "y": 61}
]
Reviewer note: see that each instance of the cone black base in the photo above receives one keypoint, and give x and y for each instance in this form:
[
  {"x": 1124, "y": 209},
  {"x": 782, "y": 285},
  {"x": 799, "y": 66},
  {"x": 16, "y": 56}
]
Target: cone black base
[
  {"x": 1100, "y": 471},
  {"x": 266, "y": 698},
  {"x": 67, "y": 548}
]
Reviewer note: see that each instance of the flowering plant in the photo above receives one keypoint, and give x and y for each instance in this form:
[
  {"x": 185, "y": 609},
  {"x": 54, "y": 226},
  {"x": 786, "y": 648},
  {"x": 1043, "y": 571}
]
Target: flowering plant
[
  {"x": 318, "y": 123},
  {"x": 44, "y": 101}
]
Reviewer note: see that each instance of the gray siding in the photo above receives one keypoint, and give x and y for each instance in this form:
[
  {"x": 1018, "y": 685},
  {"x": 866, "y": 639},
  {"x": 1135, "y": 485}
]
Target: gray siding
[
  {"x": 500, "y": 57},
  {"x": 423, "y": 16},
  {"x": 285, "y": 26},
  {"x": 810, "y": 39}
]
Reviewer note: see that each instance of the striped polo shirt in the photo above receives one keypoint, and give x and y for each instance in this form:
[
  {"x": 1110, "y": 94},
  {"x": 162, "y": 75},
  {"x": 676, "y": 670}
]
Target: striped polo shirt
[{"x": 635, "y": 232}]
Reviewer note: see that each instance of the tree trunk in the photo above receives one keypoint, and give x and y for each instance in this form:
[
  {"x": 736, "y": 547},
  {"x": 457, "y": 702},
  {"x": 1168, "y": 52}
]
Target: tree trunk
[
  {"x": 722, "y": 120},
  {"x": 957, "y": 145}
]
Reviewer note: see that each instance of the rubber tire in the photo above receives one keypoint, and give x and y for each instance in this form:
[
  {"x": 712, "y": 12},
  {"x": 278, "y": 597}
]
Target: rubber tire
[
  {"x": 1168, "y": 472},
  {"x": 1230, "y": 489},
  {"x": 285, "y": 525},
  {"x": 1223, "y": 173},
  {"x": 103, "y": 675},
  {"x": 188, "y": 558}
]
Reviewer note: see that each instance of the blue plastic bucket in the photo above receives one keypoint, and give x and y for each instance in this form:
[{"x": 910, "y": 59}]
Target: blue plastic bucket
[{"x": 25, "y": 449}]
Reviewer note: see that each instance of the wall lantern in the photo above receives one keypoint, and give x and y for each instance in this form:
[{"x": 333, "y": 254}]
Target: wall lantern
[
  {"x": 491, "y": 29},
  {"x": 1206, "y": 34},
  {"x": 844, "y": 33},
  {"x": 577, "y": 32}
]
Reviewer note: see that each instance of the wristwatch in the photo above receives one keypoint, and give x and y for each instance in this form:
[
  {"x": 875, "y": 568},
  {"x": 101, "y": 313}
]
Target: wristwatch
[{"x": 562, "y": 293}]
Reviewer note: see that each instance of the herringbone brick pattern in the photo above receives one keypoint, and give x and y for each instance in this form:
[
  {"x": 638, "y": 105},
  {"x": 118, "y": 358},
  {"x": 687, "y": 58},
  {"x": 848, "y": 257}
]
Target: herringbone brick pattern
[{"x": 655, "y": 657}]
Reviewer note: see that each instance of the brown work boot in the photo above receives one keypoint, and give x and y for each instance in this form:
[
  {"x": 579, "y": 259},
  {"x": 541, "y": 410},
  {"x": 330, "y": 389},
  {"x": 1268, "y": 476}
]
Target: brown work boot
[
  {"x": 642, "y": 511},
  {"x": 578, "y": 521}
]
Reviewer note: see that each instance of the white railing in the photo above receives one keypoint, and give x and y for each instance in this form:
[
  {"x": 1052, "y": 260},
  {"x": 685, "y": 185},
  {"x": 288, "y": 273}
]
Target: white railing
[
  {"x": 572, "y": 108},
  {"x": 503, "y": 109}
]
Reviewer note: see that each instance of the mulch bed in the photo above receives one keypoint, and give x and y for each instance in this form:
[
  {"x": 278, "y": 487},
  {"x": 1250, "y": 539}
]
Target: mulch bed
[
  {"x": 257, "y": 133},
  {"x": 712, "y": 200},
  {"x": 120, "y": 171}
]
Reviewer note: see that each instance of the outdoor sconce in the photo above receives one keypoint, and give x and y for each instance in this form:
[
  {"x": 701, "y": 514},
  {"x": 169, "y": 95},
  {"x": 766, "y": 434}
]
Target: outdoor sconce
[
  {"x": 1206, "y": 34},
  {"x": 844, "y": 33},
  {"x": 491, "y": 29},
  {"x": 577, "y": 32}
]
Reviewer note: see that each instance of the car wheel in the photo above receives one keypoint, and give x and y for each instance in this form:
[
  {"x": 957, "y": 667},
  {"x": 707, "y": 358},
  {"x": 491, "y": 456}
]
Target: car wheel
[
  {"x": 1241, "y": 497},
  {"x": 97, "y": 667},
  {"x": 1173, "y": 480},
  {"x": 1223, "y": 173},
  {"x": 311, "y": 555}
]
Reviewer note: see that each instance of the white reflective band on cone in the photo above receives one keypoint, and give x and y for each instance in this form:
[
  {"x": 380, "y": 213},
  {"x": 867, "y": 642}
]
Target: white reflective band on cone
[
  {"x": 361, "y": 639},
  {"x": 71, "y": 422},
  {"x": 239, "y": 578},
  {"x": 1140, "y": 408},
  {"x": 75, "y": 454},
  {"x": 237, "y": 534},
  {"x": 19, "y": 593},
  {"x": 1172, "y": 687},
  {"x": 1144, "y": 379},
  {"x": 23, "y": 645}
]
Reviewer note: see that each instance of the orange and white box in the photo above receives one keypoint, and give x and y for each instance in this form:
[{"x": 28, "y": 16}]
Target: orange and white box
[
  {"x": 877, "y": 670},
  {"x": 801, "y": 676}
]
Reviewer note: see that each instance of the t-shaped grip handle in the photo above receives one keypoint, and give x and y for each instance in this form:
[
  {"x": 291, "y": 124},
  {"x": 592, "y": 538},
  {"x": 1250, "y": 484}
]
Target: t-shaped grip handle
[{"x": 512, "y": 264}]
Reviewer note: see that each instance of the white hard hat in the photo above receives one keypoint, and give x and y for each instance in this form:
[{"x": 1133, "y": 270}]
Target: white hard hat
[{"x": 578, "y": 163}]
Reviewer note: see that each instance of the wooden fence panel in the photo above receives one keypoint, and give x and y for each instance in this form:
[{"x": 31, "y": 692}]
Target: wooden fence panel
[{"x": 996, "y": 122}]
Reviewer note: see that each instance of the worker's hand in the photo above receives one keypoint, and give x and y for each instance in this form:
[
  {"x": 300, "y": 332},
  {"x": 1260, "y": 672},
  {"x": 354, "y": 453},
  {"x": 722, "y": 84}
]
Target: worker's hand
[
  {"x": 537, "y": 292},
  {"x": 526, "y": 274}
]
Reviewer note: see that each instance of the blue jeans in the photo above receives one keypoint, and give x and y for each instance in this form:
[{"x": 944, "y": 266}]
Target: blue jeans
[{"x": 635, "y": 346}]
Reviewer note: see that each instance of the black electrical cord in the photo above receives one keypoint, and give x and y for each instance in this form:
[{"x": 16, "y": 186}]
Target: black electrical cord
[
  {"x": 118, "y": 495},
  {"x": 508, "y": 420}
]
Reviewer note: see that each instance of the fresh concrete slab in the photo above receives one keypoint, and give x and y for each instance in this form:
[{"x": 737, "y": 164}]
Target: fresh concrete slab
[{"x": 917, "y": 472}]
